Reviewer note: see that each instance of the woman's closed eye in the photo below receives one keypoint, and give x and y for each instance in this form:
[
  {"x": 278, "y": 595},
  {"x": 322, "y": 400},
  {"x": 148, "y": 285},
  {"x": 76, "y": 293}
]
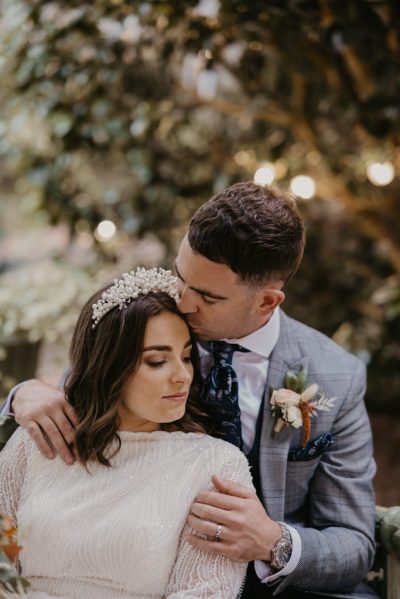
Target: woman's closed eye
[{"x": 156, "y": 363}]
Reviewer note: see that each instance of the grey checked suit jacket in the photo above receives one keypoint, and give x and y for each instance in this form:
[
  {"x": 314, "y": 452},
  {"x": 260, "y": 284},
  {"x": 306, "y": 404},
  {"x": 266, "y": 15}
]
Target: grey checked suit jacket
[{"x": 329, "y": 499}]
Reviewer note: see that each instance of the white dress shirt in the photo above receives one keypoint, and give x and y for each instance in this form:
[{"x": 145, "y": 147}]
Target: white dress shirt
[{"x": 252, "y": 369}]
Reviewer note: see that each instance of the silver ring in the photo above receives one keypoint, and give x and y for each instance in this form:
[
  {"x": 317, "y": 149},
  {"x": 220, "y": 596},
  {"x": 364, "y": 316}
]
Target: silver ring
[{"x": 218, "y": 533}]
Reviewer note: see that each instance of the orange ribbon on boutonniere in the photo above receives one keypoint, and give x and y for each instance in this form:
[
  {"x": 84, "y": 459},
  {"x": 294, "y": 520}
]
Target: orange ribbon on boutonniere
[{"x": 297, "y": 403}]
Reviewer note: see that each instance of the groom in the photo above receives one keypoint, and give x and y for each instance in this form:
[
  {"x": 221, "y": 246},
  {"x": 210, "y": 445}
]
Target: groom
[{"x": 309, "y": 530}]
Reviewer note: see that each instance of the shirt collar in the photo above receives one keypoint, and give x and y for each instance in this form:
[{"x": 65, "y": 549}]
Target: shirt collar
[{"x": 263, "y": 340}]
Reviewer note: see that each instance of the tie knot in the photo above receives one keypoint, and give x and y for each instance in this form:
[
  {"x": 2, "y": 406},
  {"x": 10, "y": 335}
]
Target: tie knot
[{"x": 223, "y": 351}]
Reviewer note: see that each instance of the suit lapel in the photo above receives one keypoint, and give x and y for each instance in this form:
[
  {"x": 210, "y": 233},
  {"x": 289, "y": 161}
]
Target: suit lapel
[{"x": 273, "y": 452}]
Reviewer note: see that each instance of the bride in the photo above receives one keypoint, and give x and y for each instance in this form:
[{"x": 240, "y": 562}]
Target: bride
[{"x": 112, "y": 525}]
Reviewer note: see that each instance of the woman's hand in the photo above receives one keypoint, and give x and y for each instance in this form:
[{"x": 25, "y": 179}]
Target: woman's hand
[{"x": 42, "y": 410}]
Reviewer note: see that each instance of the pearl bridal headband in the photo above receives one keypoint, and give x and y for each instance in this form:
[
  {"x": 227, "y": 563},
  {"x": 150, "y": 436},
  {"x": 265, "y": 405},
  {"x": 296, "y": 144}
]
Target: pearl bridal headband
[{"x": 131, "y": 285}]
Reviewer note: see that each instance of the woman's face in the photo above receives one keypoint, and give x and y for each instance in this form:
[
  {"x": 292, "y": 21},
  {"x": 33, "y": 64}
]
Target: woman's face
[{"x": 157, "y": 392}]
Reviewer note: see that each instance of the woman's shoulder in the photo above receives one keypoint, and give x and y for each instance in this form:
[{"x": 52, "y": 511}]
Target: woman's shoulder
[
  {"x": 202, "y": 444},
  {"x": 224, "y": 450},
  {"x": 228, "y": 461},
  {"x": 21, "y": 438},
  {"x": 18, "y": 447}
]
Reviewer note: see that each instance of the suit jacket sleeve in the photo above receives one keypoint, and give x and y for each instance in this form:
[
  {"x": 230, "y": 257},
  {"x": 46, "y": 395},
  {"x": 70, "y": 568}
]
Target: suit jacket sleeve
[{"x": 338, "y": 537}]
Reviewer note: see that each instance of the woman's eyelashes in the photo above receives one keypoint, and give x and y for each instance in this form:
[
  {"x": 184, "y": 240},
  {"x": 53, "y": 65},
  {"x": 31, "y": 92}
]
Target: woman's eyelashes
[{"x": 157, "y": 363}]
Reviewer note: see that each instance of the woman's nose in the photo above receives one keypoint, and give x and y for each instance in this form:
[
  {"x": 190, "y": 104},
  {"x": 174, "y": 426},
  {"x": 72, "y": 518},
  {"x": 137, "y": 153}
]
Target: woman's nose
[{"x": 183, "y": 373}]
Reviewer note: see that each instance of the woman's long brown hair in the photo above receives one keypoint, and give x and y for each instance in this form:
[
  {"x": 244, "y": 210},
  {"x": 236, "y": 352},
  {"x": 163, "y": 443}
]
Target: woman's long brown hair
[{"x": 102, "y": 360}]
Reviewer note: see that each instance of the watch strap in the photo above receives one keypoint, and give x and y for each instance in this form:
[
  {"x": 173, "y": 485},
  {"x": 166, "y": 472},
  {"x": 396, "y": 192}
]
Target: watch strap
[{"x": 281, "y": 551}]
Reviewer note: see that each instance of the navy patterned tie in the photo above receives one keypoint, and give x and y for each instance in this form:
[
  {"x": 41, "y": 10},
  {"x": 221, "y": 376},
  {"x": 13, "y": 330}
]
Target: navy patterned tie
[{"x": 220, "y": 392}]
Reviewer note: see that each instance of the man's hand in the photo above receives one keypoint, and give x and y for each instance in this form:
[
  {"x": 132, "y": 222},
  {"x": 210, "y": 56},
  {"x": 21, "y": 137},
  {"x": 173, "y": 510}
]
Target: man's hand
[
  {"x": 43, "y": 411},
  {"x": 247, "y": 533}
]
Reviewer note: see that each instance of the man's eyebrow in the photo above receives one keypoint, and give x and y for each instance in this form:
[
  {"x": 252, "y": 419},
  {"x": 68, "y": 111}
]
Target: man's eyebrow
[
  {"x": 198, "y": 289},
  {"x": 165, "y": 347}
]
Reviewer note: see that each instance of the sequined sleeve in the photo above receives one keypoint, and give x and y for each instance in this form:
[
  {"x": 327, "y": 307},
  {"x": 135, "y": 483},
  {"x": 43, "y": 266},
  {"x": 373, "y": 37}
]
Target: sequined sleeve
[
  {"x": 201, "y": 575},
  {"x": 13, "y": 462}
]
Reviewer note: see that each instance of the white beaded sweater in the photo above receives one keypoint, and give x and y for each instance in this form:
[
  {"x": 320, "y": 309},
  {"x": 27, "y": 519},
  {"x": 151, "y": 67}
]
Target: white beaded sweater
[{"x": 119, "y": 532}]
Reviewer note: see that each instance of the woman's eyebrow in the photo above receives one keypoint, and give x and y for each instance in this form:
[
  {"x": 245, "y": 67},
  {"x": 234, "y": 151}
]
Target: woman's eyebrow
[
  {"x": 164, "y": 347},
  {"x": 158, "y": 348}
]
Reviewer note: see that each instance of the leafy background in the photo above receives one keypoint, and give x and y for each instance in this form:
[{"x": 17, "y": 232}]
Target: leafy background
[{"x": 136, "y": 112}]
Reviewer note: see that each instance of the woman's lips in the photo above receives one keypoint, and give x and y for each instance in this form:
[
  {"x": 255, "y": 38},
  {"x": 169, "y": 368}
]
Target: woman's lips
[{"x": 179, "y": 397}]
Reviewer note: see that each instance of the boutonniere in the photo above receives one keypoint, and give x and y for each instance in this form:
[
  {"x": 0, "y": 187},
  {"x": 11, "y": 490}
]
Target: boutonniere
[{"x": 297, "y": 403}]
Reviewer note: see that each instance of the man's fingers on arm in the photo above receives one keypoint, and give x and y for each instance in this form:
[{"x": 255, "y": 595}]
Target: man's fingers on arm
[
  {"x": 214, "y": 514},
  {"x": 206, "y": 527},
  {"x": 36, "y": 433},
  {"x": 209, "y": 546},
  {"x": 57, "y": 440},
  {"x": 219, "y": 500},
  {"x": 65, "y": 427},
  {"x": 231, "y": 488},
  {"x": 70, "y": 413}
]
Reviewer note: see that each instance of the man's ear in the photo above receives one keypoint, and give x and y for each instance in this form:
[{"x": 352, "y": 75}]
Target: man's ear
[{"x": 271, "y": 297}]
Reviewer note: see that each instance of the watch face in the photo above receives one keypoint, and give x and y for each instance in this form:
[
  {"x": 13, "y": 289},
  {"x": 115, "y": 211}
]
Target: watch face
[{"x": 283, "y": 553}]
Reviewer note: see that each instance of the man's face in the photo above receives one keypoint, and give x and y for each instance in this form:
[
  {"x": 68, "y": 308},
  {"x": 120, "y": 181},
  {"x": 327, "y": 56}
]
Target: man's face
[{"x": 217, "y": 303}]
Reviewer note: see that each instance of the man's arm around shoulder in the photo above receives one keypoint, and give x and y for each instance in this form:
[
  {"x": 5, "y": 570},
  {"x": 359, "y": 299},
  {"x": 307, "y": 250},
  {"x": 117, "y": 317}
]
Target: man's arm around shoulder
[{"x": 46, "y": 415}]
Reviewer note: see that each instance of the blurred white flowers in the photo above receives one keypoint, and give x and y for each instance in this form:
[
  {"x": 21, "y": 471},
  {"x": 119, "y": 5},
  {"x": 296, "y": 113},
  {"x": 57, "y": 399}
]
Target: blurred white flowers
[{"x": 41, "y": 301}]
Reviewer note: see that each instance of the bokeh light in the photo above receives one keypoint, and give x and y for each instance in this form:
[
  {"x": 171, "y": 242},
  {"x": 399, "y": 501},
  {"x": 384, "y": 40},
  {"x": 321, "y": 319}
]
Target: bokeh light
[
  {"x": 303, "y": 186},
  {"x": 265, "y": 175},
  {"x": 380, "y": 173},
  {"x": 105, "y": 230}
]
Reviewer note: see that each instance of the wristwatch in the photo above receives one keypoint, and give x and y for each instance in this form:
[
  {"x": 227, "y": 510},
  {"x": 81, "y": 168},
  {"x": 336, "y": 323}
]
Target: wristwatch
[{"x": 282, "y": 550}]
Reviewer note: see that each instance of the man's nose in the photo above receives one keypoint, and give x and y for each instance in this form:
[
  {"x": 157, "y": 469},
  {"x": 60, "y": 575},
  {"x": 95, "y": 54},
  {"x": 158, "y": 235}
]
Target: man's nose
[{"x": 187, "y": 303}]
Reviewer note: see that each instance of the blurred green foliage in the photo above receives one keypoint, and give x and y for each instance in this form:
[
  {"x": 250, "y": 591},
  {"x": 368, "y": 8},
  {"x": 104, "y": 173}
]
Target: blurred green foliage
[{"x": 138, "y": 111}]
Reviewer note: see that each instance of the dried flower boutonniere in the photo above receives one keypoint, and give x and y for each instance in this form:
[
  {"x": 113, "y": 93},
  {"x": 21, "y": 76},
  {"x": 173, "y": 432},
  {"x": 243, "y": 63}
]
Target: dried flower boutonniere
[{"x": 297, "y": 403}]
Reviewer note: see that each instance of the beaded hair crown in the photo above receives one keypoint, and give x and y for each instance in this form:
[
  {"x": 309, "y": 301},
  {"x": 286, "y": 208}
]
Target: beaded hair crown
[{"x": 131, "y": 285}]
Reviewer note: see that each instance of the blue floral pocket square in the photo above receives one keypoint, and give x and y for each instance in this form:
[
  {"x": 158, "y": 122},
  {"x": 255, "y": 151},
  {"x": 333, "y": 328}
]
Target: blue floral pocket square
[{"x": 312, "y": 450}]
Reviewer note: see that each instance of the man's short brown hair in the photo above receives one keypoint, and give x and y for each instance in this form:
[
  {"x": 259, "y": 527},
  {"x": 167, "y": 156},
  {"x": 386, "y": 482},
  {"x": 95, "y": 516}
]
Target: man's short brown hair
[{"x": 255, "y": 230}]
